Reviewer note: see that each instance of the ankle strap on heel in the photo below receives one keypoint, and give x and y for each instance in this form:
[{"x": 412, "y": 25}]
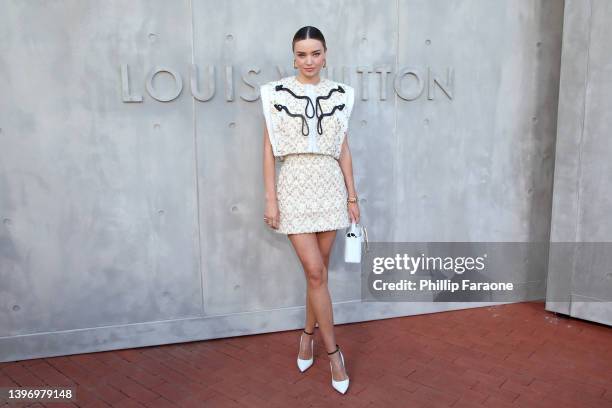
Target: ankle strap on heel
[
  {"x": 335, "y": 351},
  {"x": 309, "y": 333}
]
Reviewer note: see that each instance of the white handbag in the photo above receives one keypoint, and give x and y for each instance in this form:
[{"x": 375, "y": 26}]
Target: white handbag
[{"x": 355, "y": 235}]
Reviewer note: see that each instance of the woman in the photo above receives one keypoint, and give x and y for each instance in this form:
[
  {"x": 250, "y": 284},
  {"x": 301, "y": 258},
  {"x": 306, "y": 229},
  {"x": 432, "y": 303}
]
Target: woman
[{"x": 306, "y": 121}]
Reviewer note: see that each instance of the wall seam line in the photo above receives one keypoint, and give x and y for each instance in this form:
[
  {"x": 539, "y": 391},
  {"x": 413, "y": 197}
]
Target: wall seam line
[
  {"x": 195, "y": 155},
  {"x": 580, "y": 146}
]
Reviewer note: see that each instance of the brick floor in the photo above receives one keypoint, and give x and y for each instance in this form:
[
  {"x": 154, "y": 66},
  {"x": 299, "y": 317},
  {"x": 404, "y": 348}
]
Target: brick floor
[{"x": 516, "y": 355}]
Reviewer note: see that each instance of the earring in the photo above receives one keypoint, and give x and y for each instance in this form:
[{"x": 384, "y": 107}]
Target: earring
[
  {"x": 325, "y": 64},
  {"x": 294, "y": 67}
]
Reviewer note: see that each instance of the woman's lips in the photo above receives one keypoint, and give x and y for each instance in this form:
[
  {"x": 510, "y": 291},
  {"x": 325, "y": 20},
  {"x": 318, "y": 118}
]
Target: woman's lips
[{"x": 308, "y": 69}]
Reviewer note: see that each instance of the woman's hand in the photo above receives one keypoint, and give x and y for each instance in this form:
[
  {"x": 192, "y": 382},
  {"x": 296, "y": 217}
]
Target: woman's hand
[
  {"x": 272, "y": 215},
  {"x": 353, "y": 209}
]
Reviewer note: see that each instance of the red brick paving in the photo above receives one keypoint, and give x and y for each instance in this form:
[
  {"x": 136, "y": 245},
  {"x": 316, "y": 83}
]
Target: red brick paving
[{"x": 516, "y": 355}]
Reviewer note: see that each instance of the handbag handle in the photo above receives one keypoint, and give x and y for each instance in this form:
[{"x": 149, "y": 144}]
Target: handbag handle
[{"x": 365, "y": 233}]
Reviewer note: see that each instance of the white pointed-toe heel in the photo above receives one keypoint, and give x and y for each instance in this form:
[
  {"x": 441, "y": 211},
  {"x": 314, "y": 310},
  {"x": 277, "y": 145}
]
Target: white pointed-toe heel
[
  {"x": 304, "y": 365},
  {"x": 342, "y": 385}
]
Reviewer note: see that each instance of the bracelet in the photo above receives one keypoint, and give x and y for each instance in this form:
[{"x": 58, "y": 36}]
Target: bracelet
[{"x": 352, "y": 200}]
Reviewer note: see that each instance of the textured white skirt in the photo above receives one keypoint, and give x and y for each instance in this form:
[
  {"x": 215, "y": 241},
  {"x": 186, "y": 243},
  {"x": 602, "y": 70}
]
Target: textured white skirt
[{"x": 311, "y": 194}]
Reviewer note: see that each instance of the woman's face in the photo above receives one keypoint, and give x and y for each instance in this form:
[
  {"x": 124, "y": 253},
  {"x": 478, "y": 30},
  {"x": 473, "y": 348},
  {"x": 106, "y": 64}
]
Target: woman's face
[{"x": 309, "y": 57}]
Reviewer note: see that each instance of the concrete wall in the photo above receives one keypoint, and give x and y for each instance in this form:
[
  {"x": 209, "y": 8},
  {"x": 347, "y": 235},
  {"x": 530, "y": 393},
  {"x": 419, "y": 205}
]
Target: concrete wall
[
  {"x": 579, "y": 280},
  {"x": 127, "y": 220}
]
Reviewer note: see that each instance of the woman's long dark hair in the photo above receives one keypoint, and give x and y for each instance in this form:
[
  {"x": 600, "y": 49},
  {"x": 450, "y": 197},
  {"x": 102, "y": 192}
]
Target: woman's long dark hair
[{"x": 307, "y": 32}]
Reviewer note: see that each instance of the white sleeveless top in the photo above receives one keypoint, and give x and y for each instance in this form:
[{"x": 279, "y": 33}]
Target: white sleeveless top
[{"x": 306, "y": 118}]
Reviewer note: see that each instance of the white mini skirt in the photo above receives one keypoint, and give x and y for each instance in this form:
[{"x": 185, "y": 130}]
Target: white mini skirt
[{"x": 311, "y": 194}]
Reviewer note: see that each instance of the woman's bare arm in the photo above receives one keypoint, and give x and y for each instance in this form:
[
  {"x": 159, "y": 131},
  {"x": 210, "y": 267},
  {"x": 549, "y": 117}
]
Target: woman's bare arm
[
  {"x": 268, "y": 168},
  {"x": 346, "y": 164},
  {"x": 269, "y": 174}
]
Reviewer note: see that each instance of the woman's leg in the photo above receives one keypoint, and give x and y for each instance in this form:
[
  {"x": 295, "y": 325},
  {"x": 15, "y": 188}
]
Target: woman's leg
[
  {"x": 325, "y": 241},
  {"x": 308, "y": 251}
]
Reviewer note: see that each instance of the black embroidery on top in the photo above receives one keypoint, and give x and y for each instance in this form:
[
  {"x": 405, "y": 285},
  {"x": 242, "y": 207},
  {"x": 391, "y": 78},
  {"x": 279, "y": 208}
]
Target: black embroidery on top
[
  {"x": 316, "y": 109},
  {"x": 319, "y": 109},
  {"x": 309, "y": 101},
  {"x": 280, "y": 107},
  {"x": 319, "y": 126}
]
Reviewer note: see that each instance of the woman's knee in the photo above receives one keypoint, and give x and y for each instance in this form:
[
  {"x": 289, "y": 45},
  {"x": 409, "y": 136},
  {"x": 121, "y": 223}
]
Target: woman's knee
[{"x": 315, "y": 274}]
